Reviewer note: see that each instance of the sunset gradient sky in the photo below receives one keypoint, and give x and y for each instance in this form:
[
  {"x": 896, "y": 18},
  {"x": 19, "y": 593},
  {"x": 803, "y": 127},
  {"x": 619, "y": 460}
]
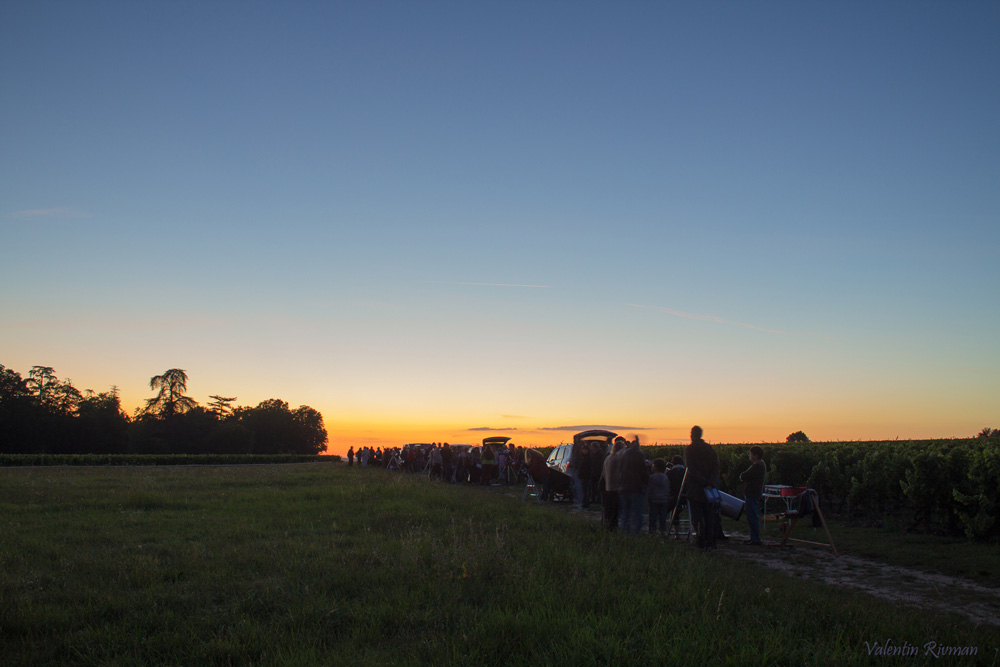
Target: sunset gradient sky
[{"x": 435, "y": 220}]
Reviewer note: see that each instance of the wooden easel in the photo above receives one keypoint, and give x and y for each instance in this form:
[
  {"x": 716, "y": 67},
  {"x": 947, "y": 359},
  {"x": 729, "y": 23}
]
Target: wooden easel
[{"x": 792, "y": 520}]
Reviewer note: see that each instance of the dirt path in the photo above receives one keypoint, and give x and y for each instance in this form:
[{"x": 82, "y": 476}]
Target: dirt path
[
  {"x": 916, "y": 588},
  {"x": 904, "y": 585}
]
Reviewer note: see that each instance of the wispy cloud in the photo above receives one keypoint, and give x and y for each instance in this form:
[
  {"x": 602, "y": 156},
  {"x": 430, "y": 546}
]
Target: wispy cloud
[
  {"x": 591, "y": 427},
  {"x": 490, "y": 428},
  {"x": 453, "y": 282},
  {"x": 710, "y": 318},
  {"x": 28, "y": 214}
]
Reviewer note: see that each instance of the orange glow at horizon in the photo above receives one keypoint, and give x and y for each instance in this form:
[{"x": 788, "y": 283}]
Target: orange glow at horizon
[
  {"x": 343, "y": 436},
  {"x": 735, "y": 419}
]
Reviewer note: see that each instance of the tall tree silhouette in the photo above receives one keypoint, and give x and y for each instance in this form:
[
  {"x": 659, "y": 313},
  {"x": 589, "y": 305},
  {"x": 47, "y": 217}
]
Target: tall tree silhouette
[
  {"x": 42, "y": 382},
  {"x": 55, "y": 396},
  {"x": 171, "y": 399},
  {"x": 221, "y": 406}
]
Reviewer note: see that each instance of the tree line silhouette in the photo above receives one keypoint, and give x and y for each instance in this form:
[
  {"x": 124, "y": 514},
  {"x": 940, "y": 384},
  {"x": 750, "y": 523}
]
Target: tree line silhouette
[{"x": 42, "y": 414}]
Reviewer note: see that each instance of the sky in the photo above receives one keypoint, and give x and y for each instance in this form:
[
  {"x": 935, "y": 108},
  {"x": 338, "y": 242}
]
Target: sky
[{"x": 438, "y": 221}]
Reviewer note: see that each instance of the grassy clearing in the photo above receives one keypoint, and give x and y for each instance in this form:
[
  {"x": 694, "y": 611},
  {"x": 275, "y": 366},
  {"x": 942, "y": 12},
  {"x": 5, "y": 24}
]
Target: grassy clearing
[{"x": 324, "y": 564}]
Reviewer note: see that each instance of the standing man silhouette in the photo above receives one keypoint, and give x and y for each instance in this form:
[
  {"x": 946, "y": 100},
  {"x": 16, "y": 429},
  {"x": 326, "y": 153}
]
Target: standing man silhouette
[
  {"x": 702, "y": 473},
  {"x": 753, "y": 488},
  {"x": 633, "y": 479}
]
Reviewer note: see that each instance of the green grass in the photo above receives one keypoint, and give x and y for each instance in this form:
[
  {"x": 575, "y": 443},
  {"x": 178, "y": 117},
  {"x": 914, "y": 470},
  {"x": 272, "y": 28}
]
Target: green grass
[{"x": 324, "y": 564}]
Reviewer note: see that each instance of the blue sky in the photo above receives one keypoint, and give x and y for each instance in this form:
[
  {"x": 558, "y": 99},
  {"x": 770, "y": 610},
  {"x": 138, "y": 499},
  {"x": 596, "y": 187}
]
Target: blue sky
[{"x": 437, "y": 216}]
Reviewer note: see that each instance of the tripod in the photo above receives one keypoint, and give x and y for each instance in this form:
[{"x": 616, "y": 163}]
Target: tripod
[
  {"x": 508, "y": 475},
  {"x": 677, "y": 508}
]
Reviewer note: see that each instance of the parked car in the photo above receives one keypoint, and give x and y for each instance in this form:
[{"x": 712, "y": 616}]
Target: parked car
[
  {"x": 560, "y": 456},
  {"x": 496, "y": 441},
  {"x": 560, "y": 483}
]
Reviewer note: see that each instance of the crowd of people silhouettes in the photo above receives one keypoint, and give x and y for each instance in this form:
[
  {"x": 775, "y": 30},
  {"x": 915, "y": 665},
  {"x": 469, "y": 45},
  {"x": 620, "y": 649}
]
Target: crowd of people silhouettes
[
  {"x": 454, "y": 464},
  {"x": 616, "y": 474}
]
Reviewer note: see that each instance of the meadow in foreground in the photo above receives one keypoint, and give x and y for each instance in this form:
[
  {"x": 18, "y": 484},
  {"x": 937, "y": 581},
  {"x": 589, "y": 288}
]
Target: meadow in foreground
[{"x": 323, "y": 564}]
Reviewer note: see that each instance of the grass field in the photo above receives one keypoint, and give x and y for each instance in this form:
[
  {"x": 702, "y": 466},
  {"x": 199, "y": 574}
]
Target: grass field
[{"x": 316, "y": 564}]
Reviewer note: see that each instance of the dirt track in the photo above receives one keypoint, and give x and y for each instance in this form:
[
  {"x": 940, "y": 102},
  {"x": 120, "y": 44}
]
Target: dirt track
[
  {"x": 912, "y": 587},
  {"x": 917, "y": 588}
]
